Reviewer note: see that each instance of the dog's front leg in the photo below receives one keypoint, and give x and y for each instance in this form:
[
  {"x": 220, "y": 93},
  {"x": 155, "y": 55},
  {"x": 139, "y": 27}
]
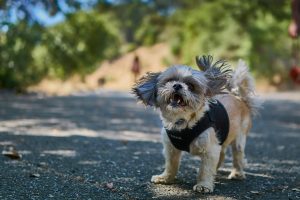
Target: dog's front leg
[
  {"x": 172, "y": 161},
  {"x": 205, "y": 179}
]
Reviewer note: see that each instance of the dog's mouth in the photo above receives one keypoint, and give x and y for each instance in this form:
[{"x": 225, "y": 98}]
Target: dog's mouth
[{"x": 177, "y": 100}]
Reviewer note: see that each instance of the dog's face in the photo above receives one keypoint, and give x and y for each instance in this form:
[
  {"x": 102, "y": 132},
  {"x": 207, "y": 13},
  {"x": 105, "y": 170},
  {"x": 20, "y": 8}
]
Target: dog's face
[{"x": 181, "y": 89}]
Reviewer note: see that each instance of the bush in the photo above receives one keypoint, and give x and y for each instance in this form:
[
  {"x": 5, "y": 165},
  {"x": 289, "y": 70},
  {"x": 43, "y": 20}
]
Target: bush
[
  {"x": 232, "y": 29},
  {"x": 78, "y": 44},
  {"x": 31, "y": 52},
  {"x": 17, "y": 68}
]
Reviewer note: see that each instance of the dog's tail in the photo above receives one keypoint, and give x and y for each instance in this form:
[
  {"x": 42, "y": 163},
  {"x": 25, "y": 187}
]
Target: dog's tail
[{"x": 242, "y": 84}]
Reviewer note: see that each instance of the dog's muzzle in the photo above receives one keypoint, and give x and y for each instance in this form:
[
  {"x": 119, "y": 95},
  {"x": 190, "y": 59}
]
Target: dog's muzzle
[{"x": 176, "y": 100}]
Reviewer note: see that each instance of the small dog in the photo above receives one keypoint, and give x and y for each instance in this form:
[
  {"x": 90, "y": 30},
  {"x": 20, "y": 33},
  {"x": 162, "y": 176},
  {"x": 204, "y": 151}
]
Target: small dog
[{"x": 203, "y": 111}]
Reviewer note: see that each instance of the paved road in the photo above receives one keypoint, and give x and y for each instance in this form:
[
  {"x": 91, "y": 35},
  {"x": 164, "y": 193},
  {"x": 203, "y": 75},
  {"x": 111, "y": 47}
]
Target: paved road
[{"x": 104, "y": 146}]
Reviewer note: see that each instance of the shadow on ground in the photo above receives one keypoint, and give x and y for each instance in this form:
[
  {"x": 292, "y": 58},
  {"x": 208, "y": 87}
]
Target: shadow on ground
[{"x": 106, "y": 147}]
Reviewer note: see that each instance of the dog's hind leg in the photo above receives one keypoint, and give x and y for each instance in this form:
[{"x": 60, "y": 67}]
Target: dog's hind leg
[
  {"x": 222, "y": 157},
  {"x": 238, "y": 148}
]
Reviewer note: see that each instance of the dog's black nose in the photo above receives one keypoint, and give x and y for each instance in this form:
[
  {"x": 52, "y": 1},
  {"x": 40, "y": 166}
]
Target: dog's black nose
[{"x": 177, "y": 86}]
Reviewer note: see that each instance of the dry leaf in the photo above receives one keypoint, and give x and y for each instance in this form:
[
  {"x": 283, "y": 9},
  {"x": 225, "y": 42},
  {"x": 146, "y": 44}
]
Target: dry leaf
[
  {"x": 13, "y": 154},
  {"x": 35, "y": 175},
  {"x": 255, "y": 192},
  {"x": 125, "y": 142},
  {"x": 296, "y": 189}
]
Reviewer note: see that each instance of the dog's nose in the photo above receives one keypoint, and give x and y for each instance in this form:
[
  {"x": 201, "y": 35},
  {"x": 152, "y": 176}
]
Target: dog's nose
[{"x": 177, "y": 86}]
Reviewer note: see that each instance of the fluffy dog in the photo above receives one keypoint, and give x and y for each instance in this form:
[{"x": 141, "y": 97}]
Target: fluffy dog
[{"x": 221, "y": 99}]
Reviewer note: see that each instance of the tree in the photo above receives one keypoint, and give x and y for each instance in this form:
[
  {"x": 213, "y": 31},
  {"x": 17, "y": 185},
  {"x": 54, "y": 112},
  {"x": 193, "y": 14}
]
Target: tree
[
  {"x": 79, "y": 43},
  {"x": 232, "y": 29},
  {"x": 30, "y": 51}
]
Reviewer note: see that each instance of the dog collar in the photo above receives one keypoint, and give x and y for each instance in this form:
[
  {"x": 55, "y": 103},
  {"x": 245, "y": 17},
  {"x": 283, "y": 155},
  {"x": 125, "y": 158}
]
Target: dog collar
[{"x": 216, "y": 117}]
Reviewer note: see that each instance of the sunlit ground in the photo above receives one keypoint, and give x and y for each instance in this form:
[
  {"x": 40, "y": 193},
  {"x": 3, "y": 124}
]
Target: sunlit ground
[{"x": 105, "y": 145}]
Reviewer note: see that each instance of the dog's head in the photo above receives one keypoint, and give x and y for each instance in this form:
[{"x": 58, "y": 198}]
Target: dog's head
[{"x": 181, "y": 88}]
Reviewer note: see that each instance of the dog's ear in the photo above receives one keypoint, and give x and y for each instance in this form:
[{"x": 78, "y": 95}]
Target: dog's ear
[
  {"x": 145, "y": 89},
  {"x": 217, "y": 74}
]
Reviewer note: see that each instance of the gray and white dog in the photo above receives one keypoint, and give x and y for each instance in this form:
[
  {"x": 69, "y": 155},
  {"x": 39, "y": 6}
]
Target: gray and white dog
[{"x": 183, "y": 96}]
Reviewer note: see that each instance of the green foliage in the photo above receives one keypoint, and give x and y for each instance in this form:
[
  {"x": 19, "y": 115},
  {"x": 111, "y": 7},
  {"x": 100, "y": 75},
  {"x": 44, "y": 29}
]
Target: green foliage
[
  {"x": 270, "y": 47},
  {"x": 130, "y": 14},
  {"x": 17, "y": 69},
  {"x": 79, "y": 43},
  {"x": 149, "y": 32},
  {"x": 254, "y": 30},
  {"x": 195, "y": 33},
  {"x": 232, "y": 29},
  {"x": 31, "y": 52}
]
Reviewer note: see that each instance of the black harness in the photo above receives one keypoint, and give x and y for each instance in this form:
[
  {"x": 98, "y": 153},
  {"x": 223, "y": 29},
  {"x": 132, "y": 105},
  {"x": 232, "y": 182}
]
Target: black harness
[{"x": 215, "y": 117}]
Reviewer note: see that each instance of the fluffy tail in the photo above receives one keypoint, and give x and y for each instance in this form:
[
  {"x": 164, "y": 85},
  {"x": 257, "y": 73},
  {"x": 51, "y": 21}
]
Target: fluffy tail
[{"x": 242, "y": 85}]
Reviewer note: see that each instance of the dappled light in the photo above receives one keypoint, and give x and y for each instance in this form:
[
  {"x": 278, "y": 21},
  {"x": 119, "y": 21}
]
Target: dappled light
[
  {"x": 64, "y": 128},
  {"x": 110, "y": 146},
  {"x": 64, "y": 153}
]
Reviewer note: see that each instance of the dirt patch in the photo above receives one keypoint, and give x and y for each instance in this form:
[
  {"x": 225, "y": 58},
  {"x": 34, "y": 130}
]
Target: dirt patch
[{"x": 115, "y": 75}]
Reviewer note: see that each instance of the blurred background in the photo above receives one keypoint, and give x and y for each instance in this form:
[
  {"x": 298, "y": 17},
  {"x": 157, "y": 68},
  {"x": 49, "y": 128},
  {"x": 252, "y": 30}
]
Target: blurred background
[
  {"x": 63, "y": 46},
  {"x": 92, "y": 140}
]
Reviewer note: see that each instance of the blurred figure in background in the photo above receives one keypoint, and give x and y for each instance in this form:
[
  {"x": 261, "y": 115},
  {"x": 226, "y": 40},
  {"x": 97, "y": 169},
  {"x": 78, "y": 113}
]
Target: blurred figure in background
[
  {"x": 135, "y": 69},
  {"x": 294, "y": 30},
  {"x": 295, "y": 23}
]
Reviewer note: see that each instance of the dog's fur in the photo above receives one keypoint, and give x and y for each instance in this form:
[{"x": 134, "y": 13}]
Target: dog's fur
[{"x": 183, "y": 107}]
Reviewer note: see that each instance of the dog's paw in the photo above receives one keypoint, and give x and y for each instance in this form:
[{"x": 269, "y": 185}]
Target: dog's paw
[
  {"x": 202, "y": 188},
  {"x": 236, "y": 175},
  {"x": 161, "y": 179}
]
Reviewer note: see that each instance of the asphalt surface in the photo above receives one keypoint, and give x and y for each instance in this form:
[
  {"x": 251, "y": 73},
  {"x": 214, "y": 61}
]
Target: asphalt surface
[{"x": 104, "y": 146}]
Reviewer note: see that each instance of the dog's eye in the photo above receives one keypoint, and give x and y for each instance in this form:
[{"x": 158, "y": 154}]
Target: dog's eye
[
  {"x": 191, "y": 86},
  {"x": 169, "y": 80}
]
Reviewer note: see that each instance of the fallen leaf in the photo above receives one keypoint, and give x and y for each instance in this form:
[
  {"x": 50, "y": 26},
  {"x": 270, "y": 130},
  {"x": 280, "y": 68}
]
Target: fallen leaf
[
  {"x": 13, "y": 154},
  {"x": 296, "y": 189},
  {"x": 34, "y": 175},
  {"x": 255, "y": 192},
  {"x": 125, "y": 142}
]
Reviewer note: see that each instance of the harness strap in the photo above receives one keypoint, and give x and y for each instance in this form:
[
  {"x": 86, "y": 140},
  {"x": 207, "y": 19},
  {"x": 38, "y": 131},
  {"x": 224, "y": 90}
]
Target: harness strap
[{"x": 215, "y": 117}]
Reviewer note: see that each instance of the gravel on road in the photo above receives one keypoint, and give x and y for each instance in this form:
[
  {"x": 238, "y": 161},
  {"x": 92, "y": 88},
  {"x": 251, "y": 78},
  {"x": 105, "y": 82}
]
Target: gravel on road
[{"x": 103, "y": 145}]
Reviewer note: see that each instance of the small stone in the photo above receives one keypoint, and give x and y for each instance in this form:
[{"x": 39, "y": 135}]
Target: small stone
[
  {"x": 280, "y": 148},
  {"x": 79, "y": 178},
  {"x": 109, "y": 185},
  {"x": 34, "y": 175},
  {"x": 42, "y": 164}
]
